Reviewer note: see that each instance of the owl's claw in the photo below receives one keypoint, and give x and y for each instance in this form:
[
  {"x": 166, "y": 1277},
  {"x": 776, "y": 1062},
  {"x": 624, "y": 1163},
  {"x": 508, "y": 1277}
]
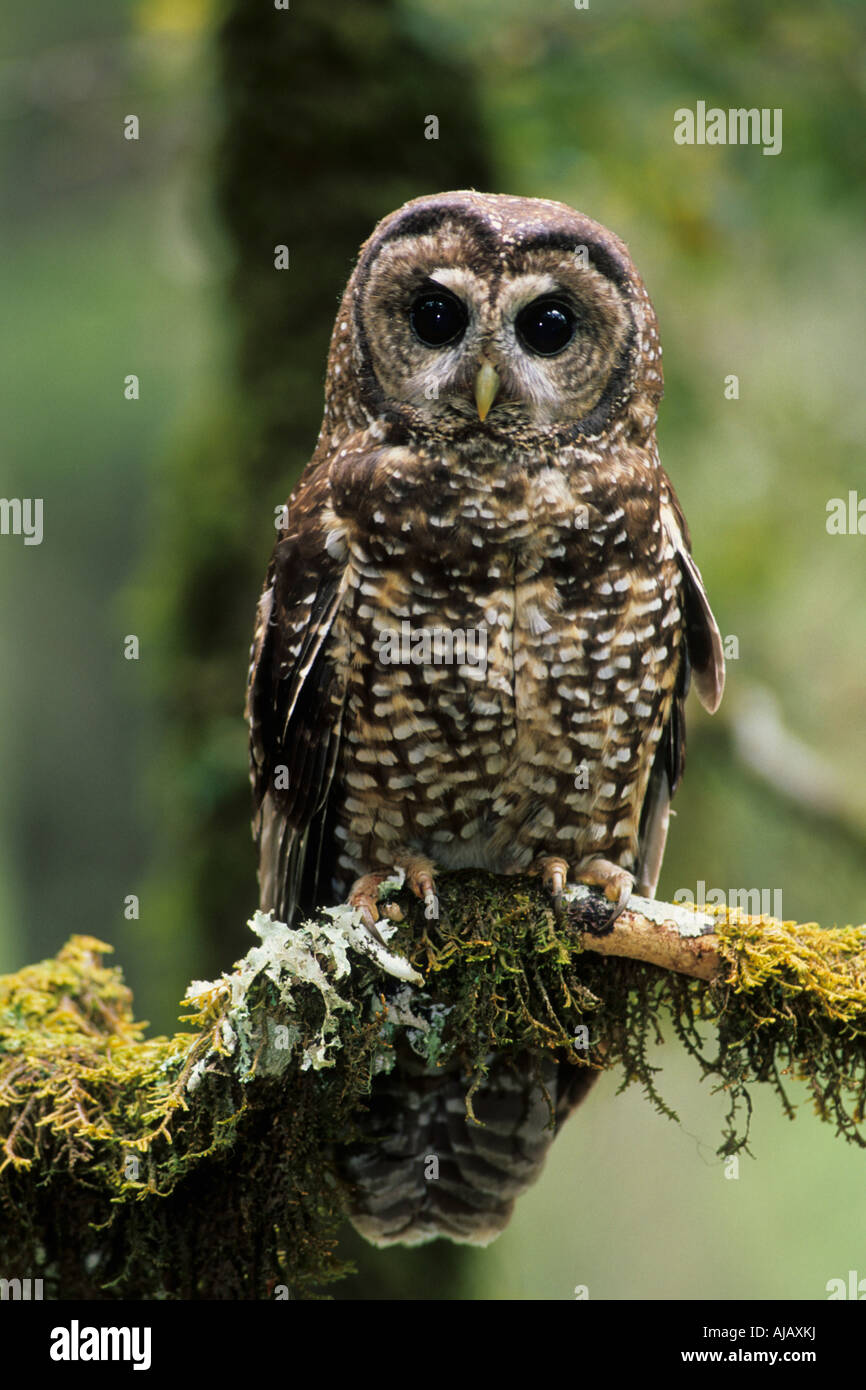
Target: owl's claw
[
  {"x": 364, "y": 893},
  {"x": 554, "y": 876},
  {"x": 616, "y": 884},
  {"x": 363, "y": 896},
  {"x": 420, "y": 877}
]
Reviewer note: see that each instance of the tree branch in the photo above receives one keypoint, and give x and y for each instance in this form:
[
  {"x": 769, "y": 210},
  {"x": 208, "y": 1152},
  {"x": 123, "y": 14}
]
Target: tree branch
[
  {"x": 664, "y": 934},
  {"x": 202, "y": 1165}
]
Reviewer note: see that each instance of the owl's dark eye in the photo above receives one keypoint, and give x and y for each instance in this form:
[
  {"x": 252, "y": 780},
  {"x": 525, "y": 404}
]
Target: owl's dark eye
[
  {"x": 437, "y": 318},
  {"x": 546, "y": 326}
]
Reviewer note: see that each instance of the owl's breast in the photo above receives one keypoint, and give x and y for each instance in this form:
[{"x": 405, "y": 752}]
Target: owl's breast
[{"x": 507, "y": 710}]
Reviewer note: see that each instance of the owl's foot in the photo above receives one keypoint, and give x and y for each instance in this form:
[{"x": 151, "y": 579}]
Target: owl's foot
[
  {"x": 554, "y": 876},
  {"x": 616, "y": 884},
  {"x": 420, "y": 877},
  {"x": 363, "y": 896}
]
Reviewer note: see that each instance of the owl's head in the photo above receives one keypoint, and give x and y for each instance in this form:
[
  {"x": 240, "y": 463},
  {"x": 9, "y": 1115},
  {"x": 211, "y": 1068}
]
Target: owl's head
[{"x": 474, "y": 313}]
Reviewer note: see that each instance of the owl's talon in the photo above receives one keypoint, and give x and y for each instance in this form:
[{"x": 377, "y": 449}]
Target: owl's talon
[
  {"x": 624, "y": 895},
  {"x": 370, "y": 925},
  {"x": 363, "y": 897},
  {"x": 420, "y": 878},
  {"x": 364, "y": 893},
  {"x": 556, "y": 882},
  {"x": 553, "y": 871},
  {"x": 617, "y": 885},
  {"x": 554, "y": 876}
]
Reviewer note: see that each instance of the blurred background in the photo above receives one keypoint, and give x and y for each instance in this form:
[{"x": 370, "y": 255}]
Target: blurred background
[{"x": 154, "y": 256}]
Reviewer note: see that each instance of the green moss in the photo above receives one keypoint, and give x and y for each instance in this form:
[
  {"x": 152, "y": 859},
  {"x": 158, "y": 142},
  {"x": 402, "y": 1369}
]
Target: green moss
[
  {"x": 794, "y": 1005},
  {"x": 185, "y": 1166},
  {"x": 200, "y": 1165},
  {"x": 791, "y": 1000}
]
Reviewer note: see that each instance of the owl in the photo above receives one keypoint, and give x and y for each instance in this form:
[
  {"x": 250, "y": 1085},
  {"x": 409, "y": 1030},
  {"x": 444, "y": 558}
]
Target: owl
[{"x": 476, "y": 636}]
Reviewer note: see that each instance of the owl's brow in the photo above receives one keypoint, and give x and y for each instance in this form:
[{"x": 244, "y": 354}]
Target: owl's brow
[
  {"x": 600, "y": 256},
  {"x": 422, "y": 221},
  {"x": 429, "y": 283}
]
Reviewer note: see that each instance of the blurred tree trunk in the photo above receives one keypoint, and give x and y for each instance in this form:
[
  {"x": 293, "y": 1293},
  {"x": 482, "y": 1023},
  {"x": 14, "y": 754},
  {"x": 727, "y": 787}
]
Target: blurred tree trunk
[{"x": 323, "y": 132}]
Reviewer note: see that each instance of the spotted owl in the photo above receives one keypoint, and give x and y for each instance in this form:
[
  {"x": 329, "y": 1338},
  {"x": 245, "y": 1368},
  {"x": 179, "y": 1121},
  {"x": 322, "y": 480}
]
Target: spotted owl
[{"x": 485, "y": 492}]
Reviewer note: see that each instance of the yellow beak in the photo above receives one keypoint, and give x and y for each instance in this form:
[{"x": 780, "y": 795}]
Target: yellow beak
[{"x": 486, "y": 388}]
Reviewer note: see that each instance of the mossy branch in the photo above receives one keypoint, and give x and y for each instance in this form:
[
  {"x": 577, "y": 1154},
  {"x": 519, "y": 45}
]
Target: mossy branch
[{"x": 202, "y": 1165}]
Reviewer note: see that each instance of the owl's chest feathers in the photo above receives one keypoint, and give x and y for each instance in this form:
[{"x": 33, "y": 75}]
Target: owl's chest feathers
[
  {"x": 497, "y": 698},
  {"x": 457, "y": 505}
]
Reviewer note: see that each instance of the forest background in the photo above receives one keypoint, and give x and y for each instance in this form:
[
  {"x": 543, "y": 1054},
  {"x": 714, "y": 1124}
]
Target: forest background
[{"x": 155, "y": 257}]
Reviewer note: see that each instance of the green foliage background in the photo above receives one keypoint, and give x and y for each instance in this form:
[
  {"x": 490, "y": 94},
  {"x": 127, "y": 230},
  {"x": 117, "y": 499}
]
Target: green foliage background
[{"x": 155, "y": 257}]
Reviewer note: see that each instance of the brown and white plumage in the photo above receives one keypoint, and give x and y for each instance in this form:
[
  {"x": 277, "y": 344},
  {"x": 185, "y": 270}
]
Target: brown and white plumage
[{"x": 477, "y": 486}]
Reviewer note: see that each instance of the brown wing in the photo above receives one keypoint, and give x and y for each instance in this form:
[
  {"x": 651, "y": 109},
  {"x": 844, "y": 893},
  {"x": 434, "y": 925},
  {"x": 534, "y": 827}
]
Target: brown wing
[
  {"x": 294, "y": 707},
  {"x": 704, "y": 660}
]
